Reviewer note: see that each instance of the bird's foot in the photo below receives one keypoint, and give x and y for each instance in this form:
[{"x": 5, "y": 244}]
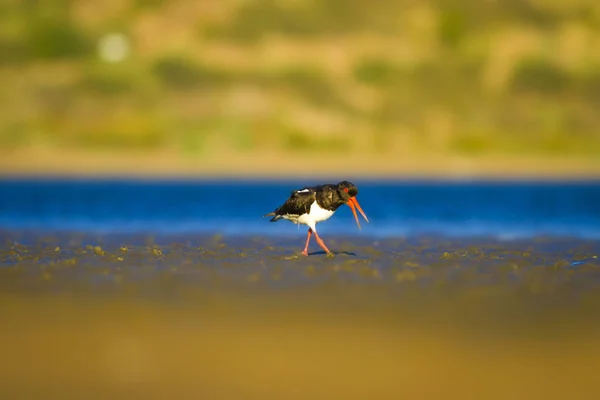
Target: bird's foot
[
  {"x": 305, "y": 252},
  {"x": 330, "y": 255}
]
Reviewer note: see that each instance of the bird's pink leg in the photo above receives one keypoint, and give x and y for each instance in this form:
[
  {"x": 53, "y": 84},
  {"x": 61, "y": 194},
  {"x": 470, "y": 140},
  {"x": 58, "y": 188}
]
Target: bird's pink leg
[
  {"x": 305, "y": 252},
  {"x": 321, "y": 243}
]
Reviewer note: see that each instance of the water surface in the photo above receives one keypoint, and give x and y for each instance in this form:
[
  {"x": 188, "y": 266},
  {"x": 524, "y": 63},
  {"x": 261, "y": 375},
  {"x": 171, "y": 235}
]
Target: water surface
[{"x": 403, "y": 208}]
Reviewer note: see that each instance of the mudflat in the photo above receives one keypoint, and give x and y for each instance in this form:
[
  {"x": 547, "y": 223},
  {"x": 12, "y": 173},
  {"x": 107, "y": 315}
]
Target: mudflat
[{"x": 134, "y": 316}]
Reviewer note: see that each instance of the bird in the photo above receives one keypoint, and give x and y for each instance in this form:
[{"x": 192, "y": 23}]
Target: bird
[{"x": 313, "y": 204}]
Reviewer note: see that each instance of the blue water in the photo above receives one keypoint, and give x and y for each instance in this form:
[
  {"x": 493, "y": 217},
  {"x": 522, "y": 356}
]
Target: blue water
[{"x": 497, "y": 209}]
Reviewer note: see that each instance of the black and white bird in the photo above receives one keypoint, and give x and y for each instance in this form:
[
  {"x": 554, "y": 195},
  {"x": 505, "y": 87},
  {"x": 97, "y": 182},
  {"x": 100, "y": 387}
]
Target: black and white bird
[{"x": 314, "y": 204}]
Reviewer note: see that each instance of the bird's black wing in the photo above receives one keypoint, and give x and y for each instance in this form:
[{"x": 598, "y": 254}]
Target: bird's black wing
[{"x": 298, "y": 203}]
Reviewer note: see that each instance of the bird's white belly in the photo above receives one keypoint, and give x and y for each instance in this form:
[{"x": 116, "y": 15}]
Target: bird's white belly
[{"x": 316, "y": 214}]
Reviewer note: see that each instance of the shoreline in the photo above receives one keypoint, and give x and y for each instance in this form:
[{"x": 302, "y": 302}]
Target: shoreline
[
  {"x": 47, "y": 162},
  {"x": 290, "y": 239}
]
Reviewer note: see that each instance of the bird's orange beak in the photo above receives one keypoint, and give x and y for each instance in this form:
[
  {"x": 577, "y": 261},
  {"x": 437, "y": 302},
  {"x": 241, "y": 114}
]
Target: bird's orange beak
[{"x": 353, "y": 204}]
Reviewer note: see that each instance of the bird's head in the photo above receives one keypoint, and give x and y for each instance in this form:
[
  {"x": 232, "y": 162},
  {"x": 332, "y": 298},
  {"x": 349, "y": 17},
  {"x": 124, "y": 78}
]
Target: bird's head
[{"x": 348, "y": 191}]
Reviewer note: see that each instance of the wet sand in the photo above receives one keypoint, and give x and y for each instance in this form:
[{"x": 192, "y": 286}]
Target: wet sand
[{"x": 248, "y": 317}]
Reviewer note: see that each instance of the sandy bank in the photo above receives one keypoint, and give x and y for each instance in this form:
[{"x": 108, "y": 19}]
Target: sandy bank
[{"x": 265, "y": 164}]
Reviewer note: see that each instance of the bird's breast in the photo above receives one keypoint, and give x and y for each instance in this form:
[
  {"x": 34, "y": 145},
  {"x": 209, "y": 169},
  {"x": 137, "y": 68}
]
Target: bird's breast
[{"x": 317, "y": 213}]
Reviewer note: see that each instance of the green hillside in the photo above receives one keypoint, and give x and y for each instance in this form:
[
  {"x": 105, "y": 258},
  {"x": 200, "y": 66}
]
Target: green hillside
[{"x": 510, "y": 76}]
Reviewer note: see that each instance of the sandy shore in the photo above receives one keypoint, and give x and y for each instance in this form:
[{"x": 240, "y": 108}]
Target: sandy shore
[
  {"x": 42, "y": 161},
  {"x": 212, "y": 317}
]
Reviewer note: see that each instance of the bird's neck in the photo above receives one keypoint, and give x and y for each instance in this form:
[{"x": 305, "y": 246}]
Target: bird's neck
[{"x": 329, "y": 200}]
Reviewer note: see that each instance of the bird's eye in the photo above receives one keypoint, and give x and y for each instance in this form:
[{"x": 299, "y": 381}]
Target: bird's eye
[{"x": 346, "y": 190}]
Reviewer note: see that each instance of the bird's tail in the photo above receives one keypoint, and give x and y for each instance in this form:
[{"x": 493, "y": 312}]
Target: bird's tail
[{"x": 275, "y": 216}]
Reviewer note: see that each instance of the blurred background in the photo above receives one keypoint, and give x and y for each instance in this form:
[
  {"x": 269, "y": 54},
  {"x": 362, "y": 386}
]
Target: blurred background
[
  {"x": 246, "y": 86},
  {"x": 97, "y": 300}
]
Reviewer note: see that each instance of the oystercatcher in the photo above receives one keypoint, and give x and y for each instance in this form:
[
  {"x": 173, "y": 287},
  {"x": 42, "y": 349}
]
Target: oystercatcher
[{"x": 314, "y": 204}]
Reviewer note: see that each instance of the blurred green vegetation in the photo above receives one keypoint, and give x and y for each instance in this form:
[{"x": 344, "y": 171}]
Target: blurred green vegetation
[{"x": 514, "y": 76}]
